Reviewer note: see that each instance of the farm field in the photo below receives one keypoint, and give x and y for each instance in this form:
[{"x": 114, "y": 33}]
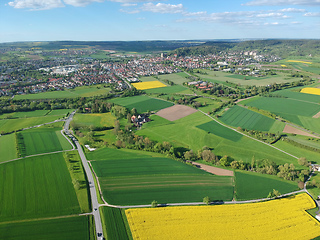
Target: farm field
[
  {"x": 113, "y": 154},
  {"x": 36, "y": 187},
  {"x": 148, "y": 85},
  {"x": 299, "y": 152},
  {"x": 185, "y": 133},
  {"x": 221, "y": 131},
  {"x": 208, "y": 104},
  {"x": 285, "y": 106},
  {"x": 241, "y": 117},
  {"x": 7, "y": 147},
  {"x": 142, "y": 180},
  {"x": 114, "y": 228},
  {"x": 290, "y": 93},
  {"x": 142, "y": 103},
  {"x": 37, "y": 113},
  {"x": 168, "y": 89},
  {"x": 85, "y": 91},
  {"x": 221, "y": 77},
  {"x": 94, "y": 119},
  {"x": 9, "y": 125},
  {"x": 289, "y": 109},
  {"x": 177, "y": 78},
  {"x": 44, "y": 140},
  {"x": 263, "y": 184},
  {"x": 70, "y": 228},
  {"x": 263, "y": 220},
  {"x": 314, "y": 91}
]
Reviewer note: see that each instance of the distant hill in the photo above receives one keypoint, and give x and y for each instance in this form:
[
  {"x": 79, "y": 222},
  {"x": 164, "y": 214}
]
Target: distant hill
[
  {"x": 132, "y": 46},
  {"x": 281, "y": 48}
]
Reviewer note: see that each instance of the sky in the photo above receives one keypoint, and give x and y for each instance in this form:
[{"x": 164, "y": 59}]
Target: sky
[{"x": 131, "y": 20}]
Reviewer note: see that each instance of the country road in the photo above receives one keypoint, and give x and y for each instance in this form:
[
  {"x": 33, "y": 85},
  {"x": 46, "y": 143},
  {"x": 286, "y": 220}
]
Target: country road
[{"x": 93, "y": 192}]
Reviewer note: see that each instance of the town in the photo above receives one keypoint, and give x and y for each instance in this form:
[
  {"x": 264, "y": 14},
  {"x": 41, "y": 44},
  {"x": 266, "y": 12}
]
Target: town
[{"x": 68, "y": 69}]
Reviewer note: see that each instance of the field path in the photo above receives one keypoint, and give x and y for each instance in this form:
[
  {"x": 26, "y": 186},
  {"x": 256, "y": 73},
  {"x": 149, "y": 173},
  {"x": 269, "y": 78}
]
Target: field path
[{"x": 247, "y": 135}]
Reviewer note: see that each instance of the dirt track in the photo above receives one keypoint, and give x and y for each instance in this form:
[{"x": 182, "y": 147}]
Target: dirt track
[
  {"x": 176, "y": 112},
  {"x": 317, "y": 115}
]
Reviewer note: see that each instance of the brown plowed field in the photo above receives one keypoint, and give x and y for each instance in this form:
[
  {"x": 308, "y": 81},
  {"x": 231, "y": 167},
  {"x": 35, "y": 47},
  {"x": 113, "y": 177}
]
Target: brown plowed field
[
  {"x": 176, "y": 112},
  {"x": 214, "y": 170},
  {"x": 290, "y": 129}
]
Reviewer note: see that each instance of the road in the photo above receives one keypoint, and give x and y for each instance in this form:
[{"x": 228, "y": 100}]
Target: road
[{"x": 93, "y": 192}]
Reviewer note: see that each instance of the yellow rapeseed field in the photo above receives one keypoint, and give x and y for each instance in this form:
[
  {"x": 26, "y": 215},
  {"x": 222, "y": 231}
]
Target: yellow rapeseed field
[
  {"x": 276, "y": 219},
  {"x": 296, "y": 61},
  {"x": 310, "y": 90},
  {"x": 148, "y": 85}
]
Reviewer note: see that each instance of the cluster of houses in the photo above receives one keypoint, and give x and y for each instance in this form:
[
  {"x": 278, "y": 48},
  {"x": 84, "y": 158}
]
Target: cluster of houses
[
  {"x": 202, "y": 85},
  {"x": 139, "y": 120}
]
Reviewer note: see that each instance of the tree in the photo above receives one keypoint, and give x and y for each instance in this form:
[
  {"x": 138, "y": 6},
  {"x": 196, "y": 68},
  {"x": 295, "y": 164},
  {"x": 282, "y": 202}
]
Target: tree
[
  {"x": 206, "y": 200},
  {"x": 189, "y": 155},
  {"x": 274, "y": 194},
  {"x": 154, "y": 203},
  {"x": 303, "y": 162},
  {"x": 208, "y": 156}
]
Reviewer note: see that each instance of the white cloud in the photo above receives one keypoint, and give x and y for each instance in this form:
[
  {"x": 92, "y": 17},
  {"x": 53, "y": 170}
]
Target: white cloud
[
  {"x": 292, "y": 10},
  {"x": 128, "y": 4},
  {"x": 282, "y": 2},
  {"x": 272, "y": 14},
  {"x": 36, "y": 4},
  {"x": 162, "y": 8},
  {"x": 80, "y": 3},
  {"x": 195, "y": 13},
  {"x": 312, "y": 14}
]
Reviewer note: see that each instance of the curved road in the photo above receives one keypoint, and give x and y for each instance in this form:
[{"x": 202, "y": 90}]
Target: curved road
[{"x": 93, "y": 192}]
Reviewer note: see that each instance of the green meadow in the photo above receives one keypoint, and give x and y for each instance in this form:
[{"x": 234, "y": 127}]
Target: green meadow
[
  {"x": 142, "y": 103},
  {"x": 141, "y": 180},
  {"x": 185, "y": 132},
  {"x": 85, "y": 91},
  {"x": 222, "y": 77},
  {"x": 251, "y": 185},
  {"x": 241, "y": 117},
  {"x": 7, "y": 147},
  {"x": 9, "y": 125},
  {"x": 36, "y": 187},
  {"x": 44, "y": 140}
]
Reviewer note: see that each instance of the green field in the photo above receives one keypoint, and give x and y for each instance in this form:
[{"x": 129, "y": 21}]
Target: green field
[
  {"x": 296, "y": 111},
  {"x": 177, "y": 78},
  {"x": 298, "y": 95},
  {"x": 71, "y": 228},
  {"x": 36, "y": 187},
  {"x": 37, "y": 113},
  {"x": 63, "y": 112},
  {"x": 85, "y": 91},
  {"x": 9, "y": 125},
  {"x": 222, "y": 77},
  {"x": 44, "y": 140},
  {"x": 221, "y": 131},
  {"x": 250, "y": 185},
  {"x": 169, "y": 89},
  {"x": 285, "y": 106},
  {"x": 241, "y": 117},
  {"x": 130, "y": 181},
  {"x": 7, "y": 147},
  {"x": 112, "y": 154},
  {"x": 142, "y": 103},
  {"x": 95, "y": 119},
  {"x": 185, "y": 133},
  {"x": 115, "y": 228}
]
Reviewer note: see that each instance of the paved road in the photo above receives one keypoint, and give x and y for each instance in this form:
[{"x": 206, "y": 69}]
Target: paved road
[{"x": 93, "y": 192}]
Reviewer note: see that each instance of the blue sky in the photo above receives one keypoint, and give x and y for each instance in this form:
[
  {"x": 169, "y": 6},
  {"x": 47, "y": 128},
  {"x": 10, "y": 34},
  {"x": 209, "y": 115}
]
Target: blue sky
[{"x": 127, "y": 20}]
